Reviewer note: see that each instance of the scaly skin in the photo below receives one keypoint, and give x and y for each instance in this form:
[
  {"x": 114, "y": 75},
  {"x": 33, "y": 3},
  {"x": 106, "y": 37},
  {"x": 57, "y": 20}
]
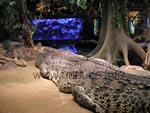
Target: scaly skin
[{"x": 98, "y": 85}]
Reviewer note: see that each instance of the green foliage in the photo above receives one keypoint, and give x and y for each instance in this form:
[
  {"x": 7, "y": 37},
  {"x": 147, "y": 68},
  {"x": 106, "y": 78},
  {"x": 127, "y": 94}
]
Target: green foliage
[
  {"x": 120, "y": 13},
  {"x": 118, "y": 62},
  {"x": 78, "y": 7},
  {"x": 82, "y": 3},
  {"x": 9, "y": 16},
  {"x": 115, "y": 63}
]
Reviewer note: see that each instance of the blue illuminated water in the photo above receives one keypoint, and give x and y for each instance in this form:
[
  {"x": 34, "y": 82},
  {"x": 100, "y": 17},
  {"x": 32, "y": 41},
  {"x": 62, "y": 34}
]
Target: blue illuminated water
[
  {"x": 70, "y": 48},
  {"x": 58, "y": 29}
]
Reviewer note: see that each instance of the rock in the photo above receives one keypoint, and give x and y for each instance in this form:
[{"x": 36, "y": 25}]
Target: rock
[
  {"x": 138, "y": 70},
  {"x": 131, "y": 67}
]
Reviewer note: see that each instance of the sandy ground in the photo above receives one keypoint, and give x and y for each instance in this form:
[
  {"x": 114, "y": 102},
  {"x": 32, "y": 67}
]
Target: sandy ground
[{"x": 20, "y": 92}]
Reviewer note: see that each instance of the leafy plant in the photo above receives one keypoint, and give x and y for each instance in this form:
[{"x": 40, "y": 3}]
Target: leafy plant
[
  {"x": 9, "y": 16},
  {"x": 9, "y": 21},
  {"x": 81, "y": 3}
]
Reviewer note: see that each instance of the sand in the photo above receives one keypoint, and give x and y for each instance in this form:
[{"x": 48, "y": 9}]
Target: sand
[{"x": 20, "y": 92}]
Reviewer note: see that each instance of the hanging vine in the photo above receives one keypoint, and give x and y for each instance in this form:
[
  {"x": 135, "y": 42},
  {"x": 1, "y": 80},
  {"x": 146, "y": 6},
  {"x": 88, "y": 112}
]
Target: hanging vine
[{"x": 120, "y": 12}]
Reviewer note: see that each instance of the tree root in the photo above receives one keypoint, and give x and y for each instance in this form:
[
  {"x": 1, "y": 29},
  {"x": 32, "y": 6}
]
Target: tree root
[
  {"x": 20, "y": 62},
  {"x": 147, "y": 59},
  {"x": 3, "y": 61},
  {"x": 119, "y": 42}
]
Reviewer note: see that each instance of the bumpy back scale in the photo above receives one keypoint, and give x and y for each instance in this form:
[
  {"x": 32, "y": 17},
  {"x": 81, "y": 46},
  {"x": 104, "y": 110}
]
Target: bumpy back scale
[{"x": 98, "y": 85}]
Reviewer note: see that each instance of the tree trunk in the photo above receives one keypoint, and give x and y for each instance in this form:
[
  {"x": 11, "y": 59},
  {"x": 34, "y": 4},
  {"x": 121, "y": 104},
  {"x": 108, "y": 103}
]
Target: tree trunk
[
  {"x": 117, "y": 41},
  {"x": 102, "y": 32},
  {"x": 26, "y": 24}
]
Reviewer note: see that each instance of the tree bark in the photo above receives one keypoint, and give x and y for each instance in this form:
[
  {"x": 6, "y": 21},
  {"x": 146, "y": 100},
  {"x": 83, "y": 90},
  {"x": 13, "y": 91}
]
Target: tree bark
[
  {"x": 117, "y": 41},
  {"x": 102, "y": 32},
  {"x": 26, "y": 24}
]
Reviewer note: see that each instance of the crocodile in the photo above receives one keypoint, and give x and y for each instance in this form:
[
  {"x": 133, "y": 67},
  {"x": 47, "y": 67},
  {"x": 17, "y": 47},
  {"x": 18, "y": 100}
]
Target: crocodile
[{"x": 98, "y": 85}]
